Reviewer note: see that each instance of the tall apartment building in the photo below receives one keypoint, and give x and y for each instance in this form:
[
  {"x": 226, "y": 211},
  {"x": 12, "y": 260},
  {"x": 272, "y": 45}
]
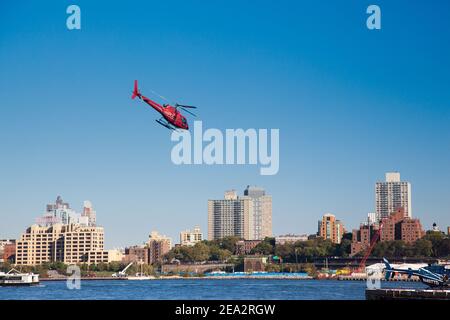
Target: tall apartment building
[
  {"x": 392, "y": 195},
  {"x": 229, "y": 217},
  {"x": 158, "y": 246},
  {"x": 248, "y": 217},
  {"x": 190, "y": 238},
  {"x": 372, "y": 218},
  {"x": 70, "y": 244},
  {"x": 262, "y": 212},
  {"x": 40, "y": 244},
  {"x": 81, "y": 241},
  {"x": 331, "y": 228}
]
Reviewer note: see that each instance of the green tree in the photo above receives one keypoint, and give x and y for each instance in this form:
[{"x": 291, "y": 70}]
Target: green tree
[
  {"x": 422, "y": 248},
  {"x": 390, "y": 249},
  {"x": 115, "y": 266},
  {"x": 272, "y": 267},
  {"x": 6, "y": 266},
  {"x": 436, "y": 238},
  {"x": 102, "y": 267},
  {"x": 266, "y": 247},
  {"x": 217, "y": 254},
  {"x": 227, "y": 243},
  {"x": 344, "y": 248},
  {"x": 348, "y": 236},
  {"x": 200, "y": 252},
  {"x": 286, "y": 252},
  {"x": 443, "y": 248}
]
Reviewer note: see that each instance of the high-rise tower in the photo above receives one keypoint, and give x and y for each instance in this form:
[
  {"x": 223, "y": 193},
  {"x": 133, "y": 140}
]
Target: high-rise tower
[{"x": 392, "y": 195}]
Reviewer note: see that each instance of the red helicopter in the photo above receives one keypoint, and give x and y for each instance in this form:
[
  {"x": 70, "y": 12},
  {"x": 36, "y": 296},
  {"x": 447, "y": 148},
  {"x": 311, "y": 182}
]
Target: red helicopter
[{"x": 171, "y": 118}]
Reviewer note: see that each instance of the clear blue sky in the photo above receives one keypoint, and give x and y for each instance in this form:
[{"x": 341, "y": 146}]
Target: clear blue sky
[{"x": 350, "y": 104}]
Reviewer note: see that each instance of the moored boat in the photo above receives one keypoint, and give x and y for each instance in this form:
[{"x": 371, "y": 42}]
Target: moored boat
[
  {"x": 140, "y": 276},
  {"x": 16, "y": 278}
]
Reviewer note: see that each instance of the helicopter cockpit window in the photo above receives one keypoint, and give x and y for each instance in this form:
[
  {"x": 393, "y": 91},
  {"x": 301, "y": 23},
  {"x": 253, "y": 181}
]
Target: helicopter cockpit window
[{"x": 183, "y": 119}]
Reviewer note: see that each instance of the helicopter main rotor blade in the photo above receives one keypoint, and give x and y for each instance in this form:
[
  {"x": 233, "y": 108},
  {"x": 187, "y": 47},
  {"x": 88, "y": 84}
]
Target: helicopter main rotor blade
[
  {"x": 187, "y": 111},
  {"x": 185, "y": 106},
  {"x": 162, "y": 97}
]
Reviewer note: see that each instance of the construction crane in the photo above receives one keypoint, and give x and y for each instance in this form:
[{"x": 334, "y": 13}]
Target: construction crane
[
  {"x": 373, "y": 242},
  {"x": 122, "y": 274}
]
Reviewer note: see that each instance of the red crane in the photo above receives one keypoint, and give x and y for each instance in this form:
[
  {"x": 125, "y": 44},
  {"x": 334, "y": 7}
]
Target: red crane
[{"x": 373, "y": 242}]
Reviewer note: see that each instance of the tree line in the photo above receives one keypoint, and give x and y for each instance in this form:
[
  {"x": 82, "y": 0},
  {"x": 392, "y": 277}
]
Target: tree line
[{"x": 432, "y": 245}]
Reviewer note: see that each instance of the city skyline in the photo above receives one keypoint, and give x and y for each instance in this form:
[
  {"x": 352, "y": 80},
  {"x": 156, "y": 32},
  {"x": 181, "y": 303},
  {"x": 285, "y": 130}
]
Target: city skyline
[
  {"x": 350, "y": 104},
  {"x": 61, "y": 209}
]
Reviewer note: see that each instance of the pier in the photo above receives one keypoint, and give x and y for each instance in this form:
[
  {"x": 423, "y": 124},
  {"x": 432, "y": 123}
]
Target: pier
[{"x": 407, "y": 294}]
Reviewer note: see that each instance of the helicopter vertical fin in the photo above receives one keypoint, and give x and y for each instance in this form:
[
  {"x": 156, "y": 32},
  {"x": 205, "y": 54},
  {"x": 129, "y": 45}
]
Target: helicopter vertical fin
[
  {"x": 388, "y": 269},
  {"x": 135, "y": 90}
]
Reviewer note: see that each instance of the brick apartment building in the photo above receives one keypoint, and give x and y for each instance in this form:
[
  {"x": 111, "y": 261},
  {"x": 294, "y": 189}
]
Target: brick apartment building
[
  {"x": 7, "y": 250},
  {"x": 398, "y": 226},
  {"x": 244, "y": 247},
  {"x": 153, "y": 251}
]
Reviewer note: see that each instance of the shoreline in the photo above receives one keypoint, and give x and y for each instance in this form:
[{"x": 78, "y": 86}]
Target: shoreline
[{"x": 226, "y": 278}]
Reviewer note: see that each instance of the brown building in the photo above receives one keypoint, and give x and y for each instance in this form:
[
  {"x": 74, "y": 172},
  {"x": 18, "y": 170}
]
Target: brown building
[
  {"x": 398, "y": 226},
  {"x": 153, "y": 251},
  {"x": 361, "y": 238},
  {"x": 157, "y": 250},
  {"x": 244, "y": 247},
  {"x": 392, "y": 226},
  {"x": 411, "y": 230},
  {"x": 7, "y": 250},
  {"x": 158, "y": 246},
  {"x": 254, "y": 264},
  {"x": 137, "y": 253},
  {"x": 331, "y": 228}
]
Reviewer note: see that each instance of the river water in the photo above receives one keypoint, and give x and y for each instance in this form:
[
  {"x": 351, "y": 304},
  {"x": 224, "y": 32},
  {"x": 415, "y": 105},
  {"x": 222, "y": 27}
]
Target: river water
[{"x": 178, "y": 289}]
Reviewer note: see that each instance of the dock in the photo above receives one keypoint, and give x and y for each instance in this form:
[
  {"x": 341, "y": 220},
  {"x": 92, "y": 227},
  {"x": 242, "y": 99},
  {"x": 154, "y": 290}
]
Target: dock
[
  {"x": 407, "y": 294},
  {"x": 364, "y": 278}
]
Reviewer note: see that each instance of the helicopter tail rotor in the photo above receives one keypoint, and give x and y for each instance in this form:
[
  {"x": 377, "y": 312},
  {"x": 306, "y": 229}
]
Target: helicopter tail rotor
[{"x": 136, "y": 92}]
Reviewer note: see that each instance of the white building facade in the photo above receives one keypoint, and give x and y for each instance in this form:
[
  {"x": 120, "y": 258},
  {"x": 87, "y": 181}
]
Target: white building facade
[{"x": 392, "y": 195}]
